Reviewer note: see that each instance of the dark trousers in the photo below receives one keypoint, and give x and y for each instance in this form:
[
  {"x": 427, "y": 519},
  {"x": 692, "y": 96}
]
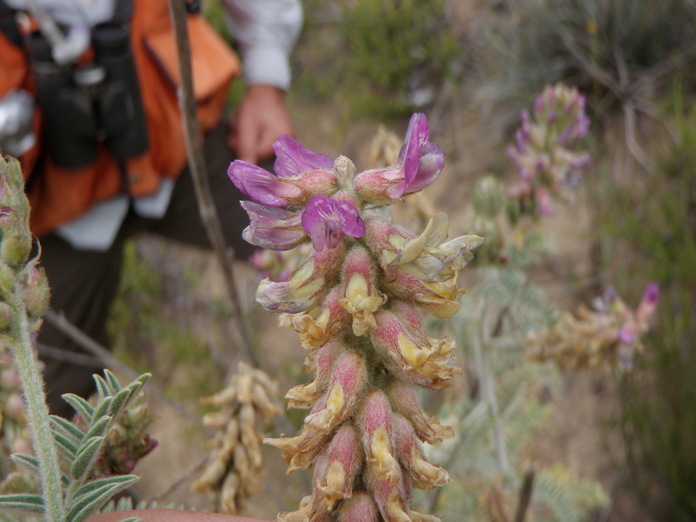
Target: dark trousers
[{"x": 84, "y": 283}]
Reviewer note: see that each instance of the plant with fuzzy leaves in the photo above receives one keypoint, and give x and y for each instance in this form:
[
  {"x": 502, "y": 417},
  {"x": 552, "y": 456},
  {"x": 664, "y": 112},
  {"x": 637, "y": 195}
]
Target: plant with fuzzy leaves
[
  {"x": 68, "y": 491},
  {"x": 355, "y": 303},
  {"x": 507, "y": 328},
  {"x": 80, "y": 449}
]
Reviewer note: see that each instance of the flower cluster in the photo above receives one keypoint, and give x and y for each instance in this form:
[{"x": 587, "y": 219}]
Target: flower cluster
[
  {"x": 126, "y": 442},
  {"x": 356, "y": 303},
  {"x": 608, "y": 336},
  {"x": 542, "y": 155},
  {"x": 235, "y": 464}
]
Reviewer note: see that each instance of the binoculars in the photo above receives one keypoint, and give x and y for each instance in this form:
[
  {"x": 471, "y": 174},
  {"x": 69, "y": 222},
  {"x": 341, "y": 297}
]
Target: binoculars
[{"x": 88, "y": 104}]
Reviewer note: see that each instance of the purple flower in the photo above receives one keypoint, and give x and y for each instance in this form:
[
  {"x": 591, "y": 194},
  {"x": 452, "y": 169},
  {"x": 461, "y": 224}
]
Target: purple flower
[
  {"x": 419, "y": 164},
  {"x": 292, "y": 158},
  {"x": 328, "y": 220},
  {"x": 273, "y": 228},
  {"x": 648, "y": 303},
  {"x": 262, "y": 186},
  {"x": 422, "y": 161}
]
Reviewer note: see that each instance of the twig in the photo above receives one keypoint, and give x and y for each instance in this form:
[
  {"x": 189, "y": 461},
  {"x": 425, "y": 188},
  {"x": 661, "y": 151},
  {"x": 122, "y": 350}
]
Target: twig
[
  {"x": 208, "y": 212},
  {"x": 103, "y": 356},
  {"x": 483, "y": 345},
  {"x": 525, "y": 495},
  {"x": 58, "y": 354}
]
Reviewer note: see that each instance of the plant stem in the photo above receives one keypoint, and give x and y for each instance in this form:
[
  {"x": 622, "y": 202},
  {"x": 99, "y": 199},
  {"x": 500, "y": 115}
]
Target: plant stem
[
  {"x": 487, "y": 376},
  {"x": 34, "y": 395},
  {"x": 192, "y": 133}
]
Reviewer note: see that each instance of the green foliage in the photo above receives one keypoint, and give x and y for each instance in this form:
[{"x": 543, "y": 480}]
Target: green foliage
[
  {"x": 659, "y": 233},
  {"x": 561, "y": 496},
  {"x": 145, "y": 337},
  {"x": 489, "y": 455},
  {"x": 392, "y": 57},
  {"x": 133, "y": 315},
  {"x": 79, "y": 449},
  {"x": 616, "y": 51}
]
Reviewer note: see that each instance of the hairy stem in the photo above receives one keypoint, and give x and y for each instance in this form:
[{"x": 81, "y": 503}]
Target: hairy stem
[{"x": 35, "y": 398}]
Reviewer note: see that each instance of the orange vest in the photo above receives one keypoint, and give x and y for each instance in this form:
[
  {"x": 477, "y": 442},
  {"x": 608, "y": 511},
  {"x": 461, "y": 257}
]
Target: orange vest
[{"x": 58, "y": 195}]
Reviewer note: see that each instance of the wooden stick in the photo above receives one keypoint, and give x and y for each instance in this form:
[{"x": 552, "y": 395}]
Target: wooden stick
[
  {"x": 525, "y": 495},
  {"x": 187, "y": 102}
]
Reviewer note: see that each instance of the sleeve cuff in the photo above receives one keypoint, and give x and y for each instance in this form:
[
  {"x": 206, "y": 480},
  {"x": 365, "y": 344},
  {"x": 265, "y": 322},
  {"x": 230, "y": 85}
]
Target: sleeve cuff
[{"x": 267, "y": 65}]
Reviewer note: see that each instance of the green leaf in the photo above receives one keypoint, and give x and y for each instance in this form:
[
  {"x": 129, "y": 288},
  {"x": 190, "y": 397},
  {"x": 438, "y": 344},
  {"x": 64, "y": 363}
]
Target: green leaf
[
  {"x": 68, "y": 429},
  {"x": 119, "y": 401},
  {"x": 112, "y": 381},
  {"x": 132, "y": 519},
  {"x": 80, "y": 405},
  {"x": 88, "y": 503},
  {"x": 93, "y": 485},
  {"x": 101, "y": 409},
  {"x": 65, "y": 445},
  {"x": 26, "y": 460},
  {"x": 99, "y": 427},
  {"x": 85, "y": 456},
  {"x": 25, "y": 502},
  {"x": 102, "y": 387}
]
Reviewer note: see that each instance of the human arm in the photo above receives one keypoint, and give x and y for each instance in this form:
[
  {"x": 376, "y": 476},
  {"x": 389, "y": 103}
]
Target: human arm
[{"x": 267, "y": 31}]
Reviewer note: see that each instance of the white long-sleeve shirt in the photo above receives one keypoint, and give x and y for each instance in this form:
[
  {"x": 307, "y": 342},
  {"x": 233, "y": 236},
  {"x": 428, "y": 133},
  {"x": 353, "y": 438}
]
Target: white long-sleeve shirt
[{"x": 266, "y": 31}]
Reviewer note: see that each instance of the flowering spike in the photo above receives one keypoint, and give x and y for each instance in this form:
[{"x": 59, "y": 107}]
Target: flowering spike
[
  {"x": 542, "y": 155},
  {"x": 356, "y": 303}
]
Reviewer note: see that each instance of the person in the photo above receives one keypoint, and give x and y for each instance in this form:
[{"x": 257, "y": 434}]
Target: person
[{"x": 108, "y": 158}]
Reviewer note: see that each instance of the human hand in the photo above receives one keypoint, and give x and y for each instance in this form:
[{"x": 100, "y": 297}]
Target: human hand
[{"x": 260, "y": 119}]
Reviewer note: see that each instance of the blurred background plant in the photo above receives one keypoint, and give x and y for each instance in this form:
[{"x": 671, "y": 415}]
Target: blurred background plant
[
  {"x": 622, "y": 53},
  {"x": 472, "y": 66}
]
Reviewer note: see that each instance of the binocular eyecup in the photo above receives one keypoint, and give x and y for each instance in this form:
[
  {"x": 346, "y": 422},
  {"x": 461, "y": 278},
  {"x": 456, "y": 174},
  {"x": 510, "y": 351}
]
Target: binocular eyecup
[{"x": 87, "y": 104}]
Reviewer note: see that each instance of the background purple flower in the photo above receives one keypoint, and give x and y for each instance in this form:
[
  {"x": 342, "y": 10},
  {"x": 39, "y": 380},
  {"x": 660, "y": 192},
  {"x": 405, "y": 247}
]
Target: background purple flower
[{"x": 328, "y": 220}]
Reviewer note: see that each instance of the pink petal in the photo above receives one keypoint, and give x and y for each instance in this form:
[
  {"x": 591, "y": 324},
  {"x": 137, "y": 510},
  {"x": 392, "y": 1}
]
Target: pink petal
[
  {"x": 293, "y": 159},
  {"x": 260, "y": 185}
]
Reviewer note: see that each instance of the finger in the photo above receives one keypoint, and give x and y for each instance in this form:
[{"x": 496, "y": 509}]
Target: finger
[
  {"x": 264, "y": 147},
  {"x": 246, "y": 144},
  {"x": 233, "y": 135}
]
